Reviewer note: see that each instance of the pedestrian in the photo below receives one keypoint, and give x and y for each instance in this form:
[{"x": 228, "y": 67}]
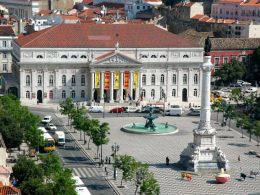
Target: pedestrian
[
  {"x": 167, "y": 160},
  {"x": 105, "y": 168},
  {"x": 106, "y": 159},
  {"x": 242, "y": 175},
  {"x": 109, "y": 160},
  {"x": 238, "y": 158},
  {"x": 99, "y": 164}
]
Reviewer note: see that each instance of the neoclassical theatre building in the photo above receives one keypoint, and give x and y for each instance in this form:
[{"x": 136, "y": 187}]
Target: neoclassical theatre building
[{"x": 107, "y": 62}]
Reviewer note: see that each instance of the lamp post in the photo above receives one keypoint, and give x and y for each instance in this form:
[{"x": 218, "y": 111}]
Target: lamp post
[{"x": 115, "y": 149}]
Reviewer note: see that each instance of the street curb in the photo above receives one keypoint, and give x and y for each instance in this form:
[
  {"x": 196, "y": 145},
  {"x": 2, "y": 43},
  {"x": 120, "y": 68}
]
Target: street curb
[{"x": 115, "y": 189}]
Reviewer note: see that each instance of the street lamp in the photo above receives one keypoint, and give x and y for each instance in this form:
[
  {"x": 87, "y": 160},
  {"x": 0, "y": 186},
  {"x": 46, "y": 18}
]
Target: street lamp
[{"x": 115, "y": 148}]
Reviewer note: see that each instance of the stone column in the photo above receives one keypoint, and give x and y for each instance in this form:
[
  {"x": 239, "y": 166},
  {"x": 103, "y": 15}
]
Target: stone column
[
  {"x": 205, "y": 97},
  {"x": 92, "y": 85},
  {"x": 121, "y": 86},
  {"x": 102, "y": 87},
  {"x": 111, "y": 87},
  {"x": 139, "y": 91},
  {"x": 131, "y": 83}
]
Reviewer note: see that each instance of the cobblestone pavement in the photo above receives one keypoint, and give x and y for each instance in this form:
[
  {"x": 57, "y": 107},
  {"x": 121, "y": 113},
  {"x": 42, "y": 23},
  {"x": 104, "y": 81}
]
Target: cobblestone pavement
[{"x": 153, "y": 150}]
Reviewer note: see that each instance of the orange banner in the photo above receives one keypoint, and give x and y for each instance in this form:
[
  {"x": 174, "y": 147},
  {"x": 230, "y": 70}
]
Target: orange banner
[
  {"x": 107, "y": 80},
  {"x": 126, "y": 79}
]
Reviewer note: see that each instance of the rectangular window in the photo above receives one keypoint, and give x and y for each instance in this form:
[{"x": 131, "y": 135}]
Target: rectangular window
[
  {"x": 4, "y": 56},
  {"x": 5, "y": 67},
  {"x": 225, "y": 60},
  {"x": 138, "y": 7},
  {"x": 4, "y": 44},
  {"x": 216, "y": 61}
]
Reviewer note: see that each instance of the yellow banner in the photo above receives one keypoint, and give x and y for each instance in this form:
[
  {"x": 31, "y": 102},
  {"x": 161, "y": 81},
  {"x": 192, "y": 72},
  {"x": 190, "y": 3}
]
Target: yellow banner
[
  {"x": 136, "y": 79},
  {"x": 116, "y": 80},
  {"x": 97, "y": 79}
]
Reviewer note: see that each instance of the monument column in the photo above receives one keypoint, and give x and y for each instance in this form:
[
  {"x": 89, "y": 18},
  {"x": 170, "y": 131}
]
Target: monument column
[
  {"x": 111, "y": 87},
  {"x": 121, "y": 96},
  {"x": 102, "y": 87}
]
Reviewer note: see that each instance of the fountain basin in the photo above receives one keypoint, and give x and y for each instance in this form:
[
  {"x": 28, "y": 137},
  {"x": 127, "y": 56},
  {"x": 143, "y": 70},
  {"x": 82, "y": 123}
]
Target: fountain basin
[{"x": 160, "y": 129}]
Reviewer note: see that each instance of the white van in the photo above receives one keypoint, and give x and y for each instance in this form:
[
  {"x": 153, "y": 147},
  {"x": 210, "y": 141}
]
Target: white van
[
  {"x": 174, "y": 112},
  {"x": 59, "y": 137},
  {"x": 96, "y": 109}
]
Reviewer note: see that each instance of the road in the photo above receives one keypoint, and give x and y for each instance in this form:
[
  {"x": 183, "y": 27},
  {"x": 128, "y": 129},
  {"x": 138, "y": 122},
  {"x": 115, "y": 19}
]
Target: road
[{"x": 72, "y": 156}]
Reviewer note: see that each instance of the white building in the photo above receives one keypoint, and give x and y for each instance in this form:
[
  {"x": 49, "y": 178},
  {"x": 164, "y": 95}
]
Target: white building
[
  {"x": 6, "y": 37},
  {"x": 24, "y": 9},
  {"x": 107, "y": 62},
  {"x": 236, "y": 9},
  {"x": 244, "y": 29}
]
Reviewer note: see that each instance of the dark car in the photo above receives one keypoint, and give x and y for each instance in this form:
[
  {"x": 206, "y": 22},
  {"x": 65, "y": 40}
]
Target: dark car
[{"x": 117, "y": 110}]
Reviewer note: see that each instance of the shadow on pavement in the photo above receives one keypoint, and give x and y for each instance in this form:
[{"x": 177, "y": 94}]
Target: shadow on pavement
[
  {"x": 212, "y": 181},
  {"x": 98, "y": 187},
  {"x": 76, "y": 159},
  {"x": 239, "y": 145},
  {"x": 174, "y": 166}
]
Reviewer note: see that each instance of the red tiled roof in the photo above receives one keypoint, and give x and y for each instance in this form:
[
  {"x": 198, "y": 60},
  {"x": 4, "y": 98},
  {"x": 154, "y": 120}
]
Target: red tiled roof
[
  {"x": 87, "y": 1},
  {"x": 251, "y": 3},
  {"x": 204, "y": 19},
  {"x": 197, "y": 16},
  {"x": 111, "y": 5},
  {"x": 6, "y": 30},
  {"x": 105, "y": 55},
  {"x": 7, "y": 190},
  {"x": 103, "y": 36},
  {"x": 69, "y": 17}
]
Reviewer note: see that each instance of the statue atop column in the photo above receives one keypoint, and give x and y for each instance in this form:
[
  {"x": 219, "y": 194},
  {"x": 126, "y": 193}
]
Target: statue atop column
[{"x": 207, "y": 46}]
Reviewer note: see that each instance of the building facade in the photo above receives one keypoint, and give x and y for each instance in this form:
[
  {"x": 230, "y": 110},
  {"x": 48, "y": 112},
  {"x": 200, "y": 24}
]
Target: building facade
[
  {"x": 107, "y": 62},
  {"x": 6, "y": 37}
]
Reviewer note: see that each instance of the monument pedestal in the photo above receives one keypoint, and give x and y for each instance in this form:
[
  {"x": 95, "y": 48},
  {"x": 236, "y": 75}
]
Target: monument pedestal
[{"x": 203, "y": 154}]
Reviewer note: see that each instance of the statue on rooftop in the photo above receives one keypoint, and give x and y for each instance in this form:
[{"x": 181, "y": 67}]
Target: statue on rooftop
[{"x": 207, "y": 46}]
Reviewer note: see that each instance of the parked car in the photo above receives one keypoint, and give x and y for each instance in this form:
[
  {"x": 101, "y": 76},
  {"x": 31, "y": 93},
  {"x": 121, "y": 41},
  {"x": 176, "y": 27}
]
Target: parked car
[
  {"x": 235, "y": 85},
  {"x": 117, "y": 110},
  {"x": 226, "y": 89},
  {"x": 251, "y": 89},
  {"x": 96, "y": 109},
  {"x": 131, "y": 109},
  {"x": 46, "y": 119},
  {"x": 174, "y": 112},
  {"x": 194, "y": 112},
  {"x": 50, "y": 126}
]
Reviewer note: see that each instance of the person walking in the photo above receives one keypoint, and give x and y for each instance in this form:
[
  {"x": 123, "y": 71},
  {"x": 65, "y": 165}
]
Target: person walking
[
  {"x": 238, "y": 158},
  {"x": 167, "y": 160}
]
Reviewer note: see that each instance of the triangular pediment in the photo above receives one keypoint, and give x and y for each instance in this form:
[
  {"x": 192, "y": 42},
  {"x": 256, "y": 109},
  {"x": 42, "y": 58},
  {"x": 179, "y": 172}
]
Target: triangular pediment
[{"x": 114, "y": 58}]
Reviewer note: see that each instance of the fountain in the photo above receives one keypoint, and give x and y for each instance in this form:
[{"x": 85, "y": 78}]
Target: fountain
[{"x": 150, "y": 127}]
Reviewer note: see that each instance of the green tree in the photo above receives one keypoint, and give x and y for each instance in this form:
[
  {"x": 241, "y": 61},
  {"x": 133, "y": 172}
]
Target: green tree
[
  {"x": 249, "y": 126},
  {"x": 67, "y": 108},
  {"x": 150, "y": 185},
  {"x": 127, "y": 165},
  {"x": 99, "y": 136},
  {"x": 88, "y": 126},
  {"x": 239, "y": 123},
  {"x": 236, "y": 95},
  {"x": 218, "y": 106},
  {"x": 78, "y": 119},
  {"x": 229, "y": 114},
  {"x": 34, "y": 186},
  {"x": 230, "y": 72},
  {"x": 257, "y": 131},
  {"x": 25, "y": 169},
  {"x": 254, "y": 67}
]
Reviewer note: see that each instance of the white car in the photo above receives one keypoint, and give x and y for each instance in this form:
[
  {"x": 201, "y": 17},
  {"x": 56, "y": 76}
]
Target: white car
[
  {"x": 251, "y": 89},
  {"x": 51, "y": 126},
  {"x": 46, "y": 119}
]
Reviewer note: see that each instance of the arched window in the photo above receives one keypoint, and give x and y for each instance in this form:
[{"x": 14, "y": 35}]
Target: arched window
[
  {"x": 174, "y": 79},
  {"x": 185, "y": 56},
  {"x": 39, "y": 56},
  {"x": 195, "y": 92},
  {"x": 64, "y": 80},
  {"x": 153, "y": 56},
  {"x": 73, "y": 94},
  {"x": 28, "y": 80},
  {"x": 185, "y": 79},
  {"x": 64, "y": 56},
  {"x": 83, "y": 80},
  {"x": 51, "y": 80},
  {"x": 173, "y": 92},
  {"x": 143, "y": 79},
  {"x": 143, "y": 94},
  {"x": 83, "y": 56},
  {"x": 27, "y": 94},
  {"x": 152, "y": 93},
  {"x": 73, "y": 56},
  {"x": 162, "y": 56},
  {"x": 73, "y": 80},
  {"x": 51, "y": 94},
  {"x": 82, "y": 94},
  {"x": 162, "y": 79},
  {"x": 63, "y": 94},
  {"x": 39, "y": 80},
  {"x": 196, "y": 79},
  {"x": 153, "y": 79},
  {"x": 144, "y": 56}
]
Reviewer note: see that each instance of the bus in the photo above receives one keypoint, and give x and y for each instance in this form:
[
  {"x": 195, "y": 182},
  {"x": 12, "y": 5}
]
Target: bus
[{"x": 49, "y": 142}]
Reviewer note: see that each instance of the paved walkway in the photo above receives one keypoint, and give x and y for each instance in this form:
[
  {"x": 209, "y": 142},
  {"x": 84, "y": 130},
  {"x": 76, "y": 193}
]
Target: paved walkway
[{"x": 153, "y": 150}]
